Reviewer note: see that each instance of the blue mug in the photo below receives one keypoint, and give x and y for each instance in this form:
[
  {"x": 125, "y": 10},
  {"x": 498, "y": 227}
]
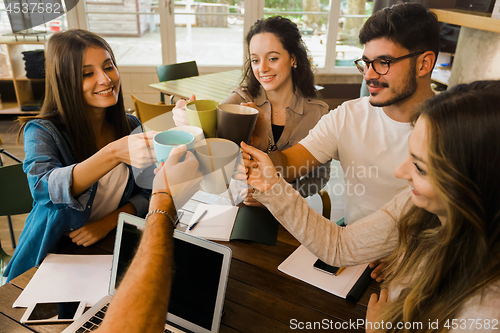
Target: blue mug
[{"x": 164, "y": 142}]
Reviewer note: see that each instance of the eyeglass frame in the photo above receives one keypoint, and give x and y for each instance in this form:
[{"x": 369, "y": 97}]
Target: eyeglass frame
[{"x": 389, "y": 61}]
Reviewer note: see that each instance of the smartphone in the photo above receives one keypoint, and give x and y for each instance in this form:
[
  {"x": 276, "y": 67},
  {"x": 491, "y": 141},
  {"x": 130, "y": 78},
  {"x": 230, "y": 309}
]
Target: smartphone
[
  {"x": 322, "y": 266},
  {"x": 56, "y": 312}
]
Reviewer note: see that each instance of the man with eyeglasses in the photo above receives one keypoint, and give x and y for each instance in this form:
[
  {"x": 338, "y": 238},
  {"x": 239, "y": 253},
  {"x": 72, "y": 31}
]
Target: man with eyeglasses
[{"x": 369, "y": 135}]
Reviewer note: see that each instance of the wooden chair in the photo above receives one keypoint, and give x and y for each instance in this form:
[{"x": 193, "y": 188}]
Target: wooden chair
[
  {"x": 154, "y": 117},
  {"x": 15, "y": 195},
  {"x": 177, "y": 71}
]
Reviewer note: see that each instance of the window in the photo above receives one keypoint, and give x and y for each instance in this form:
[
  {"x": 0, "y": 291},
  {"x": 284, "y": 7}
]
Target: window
[
  {"x": 131, "y": 27},
  {"x": 57, "y": 24},
  {"x": 311, "y": 17},
  {"x": 152, "y": 32},
  {"x": 210, "y": 32},
  {"x": 353, "y": 14}
]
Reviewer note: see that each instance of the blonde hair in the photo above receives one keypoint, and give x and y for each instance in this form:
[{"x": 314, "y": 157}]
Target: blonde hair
[{"x": 444, "y": 265}]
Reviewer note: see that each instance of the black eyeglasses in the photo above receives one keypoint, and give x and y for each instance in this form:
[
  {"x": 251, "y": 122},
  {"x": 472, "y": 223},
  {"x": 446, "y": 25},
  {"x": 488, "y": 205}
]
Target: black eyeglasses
[{"x": 381, "y": 66}]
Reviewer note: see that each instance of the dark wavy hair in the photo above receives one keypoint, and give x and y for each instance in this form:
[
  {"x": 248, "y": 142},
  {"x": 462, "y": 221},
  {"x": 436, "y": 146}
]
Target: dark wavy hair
[
  {"x": 446, "y": 264},
  {"x": 63, "y": 105},
  {"x": 409, "y": 25},
  {"x": 290, "y": 38}
]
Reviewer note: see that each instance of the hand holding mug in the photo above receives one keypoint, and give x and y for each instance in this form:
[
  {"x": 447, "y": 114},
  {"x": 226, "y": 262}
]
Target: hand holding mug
[
  {"x": 136, "y": 150},
  {"x": 180, "y": 179},
  {"x": 179, "y": 112},
  {"x": 261, "y": 173}
]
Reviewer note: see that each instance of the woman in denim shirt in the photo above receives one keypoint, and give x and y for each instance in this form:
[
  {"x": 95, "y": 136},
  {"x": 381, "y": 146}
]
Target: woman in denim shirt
[{"x": 79, "y": 154}]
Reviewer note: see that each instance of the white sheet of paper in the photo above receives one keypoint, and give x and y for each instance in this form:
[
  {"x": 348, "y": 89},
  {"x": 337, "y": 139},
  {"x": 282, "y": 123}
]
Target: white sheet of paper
[
  {"x": 62, "y": 278},
  {"x": 217, "y": 224},
  {"x": 300, "y": 265}
]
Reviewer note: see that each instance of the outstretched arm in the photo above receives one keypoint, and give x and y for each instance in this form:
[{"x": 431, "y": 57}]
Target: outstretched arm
[
  {"x": 136, "y": 150},
  {"x": 294, "y": 162},
  {"x": 370, "y": 238},
  {"x": 145, "y": 290}
]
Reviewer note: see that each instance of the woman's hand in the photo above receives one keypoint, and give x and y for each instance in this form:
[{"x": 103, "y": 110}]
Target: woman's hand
[
  {"x": 378, "y": 270},
  {"x": 249, "y": 200},
  {"x": 179, "y": 112},
  {"x": 136, "y": 150},
  {"x": 260, "y": 138},
  {"x": 180, "y": 179},
  {"x": 93, "y": 231},
  {"x": 375, "y": 306},
  {"x": 260, "y": 171}
]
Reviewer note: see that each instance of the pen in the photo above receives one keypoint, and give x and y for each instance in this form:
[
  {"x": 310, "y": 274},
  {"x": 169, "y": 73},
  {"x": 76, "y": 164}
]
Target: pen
[
  {"x": 198, "y": 220},
  {"x": 339, "y": 271}
]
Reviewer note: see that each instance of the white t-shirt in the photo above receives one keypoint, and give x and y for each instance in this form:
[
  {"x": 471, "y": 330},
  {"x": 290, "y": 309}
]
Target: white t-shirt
[
  {"x": 369, "y": 146},
  {"x": 110, "y": 190}
]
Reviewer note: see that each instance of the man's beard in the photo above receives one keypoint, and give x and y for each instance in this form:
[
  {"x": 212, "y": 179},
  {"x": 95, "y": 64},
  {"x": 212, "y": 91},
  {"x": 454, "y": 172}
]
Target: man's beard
[{"x": 409, "y": 87}]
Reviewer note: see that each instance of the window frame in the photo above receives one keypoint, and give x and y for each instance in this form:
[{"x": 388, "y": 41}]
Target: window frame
[{"x": 254, "y": 10}]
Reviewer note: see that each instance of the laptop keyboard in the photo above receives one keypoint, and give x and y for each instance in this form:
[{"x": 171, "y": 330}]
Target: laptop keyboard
[{"x": 96, "y": 320}]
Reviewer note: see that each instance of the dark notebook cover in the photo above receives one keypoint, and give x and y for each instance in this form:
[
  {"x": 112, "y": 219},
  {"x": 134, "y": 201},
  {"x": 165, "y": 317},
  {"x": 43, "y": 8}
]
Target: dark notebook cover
[{"x": 255, "y": 224}]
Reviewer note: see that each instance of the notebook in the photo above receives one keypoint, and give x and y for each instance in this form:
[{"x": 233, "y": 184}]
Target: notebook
[
  {"x": 225, "y": 223},
  {"x": 198, "y": 285},
  {"x": 350, "y": 284}
]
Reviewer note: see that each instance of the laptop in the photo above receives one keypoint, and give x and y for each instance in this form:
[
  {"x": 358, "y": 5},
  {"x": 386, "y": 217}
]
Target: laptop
[{"x": 199, "y": 281}]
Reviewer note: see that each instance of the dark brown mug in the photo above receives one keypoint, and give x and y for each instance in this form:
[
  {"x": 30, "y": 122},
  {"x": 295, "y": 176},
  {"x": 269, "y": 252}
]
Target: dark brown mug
[{"x": 236, "y": 122}]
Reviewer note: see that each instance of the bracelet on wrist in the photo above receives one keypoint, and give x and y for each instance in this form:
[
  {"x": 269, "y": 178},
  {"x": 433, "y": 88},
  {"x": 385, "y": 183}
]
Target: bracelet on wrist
[
  {"x": 159, "y": 211},
  {"x": 159, "y": 192}
]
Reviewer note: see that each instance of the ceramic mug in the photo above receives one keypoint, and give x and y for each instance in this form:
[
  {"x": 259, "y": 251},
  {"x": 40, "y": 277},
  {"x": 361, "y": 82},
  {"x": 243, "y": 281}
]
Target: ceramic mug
[
  {"x": 236, "y": 122},
  {"x": 164, "y": 142},
  {"x": 196, "y": 131},
  {"x": 203, "y": 113},
  {"x": 217, "y": 158}
]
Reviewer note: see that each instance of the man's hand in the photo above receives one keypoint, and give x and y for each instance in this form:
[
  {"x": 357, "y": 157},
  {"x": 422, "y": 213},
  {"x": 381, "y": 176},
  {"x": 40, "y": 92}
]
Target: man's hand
[
  {"x": 375, "y": 305},
  {"x": 180, "y": 179}
]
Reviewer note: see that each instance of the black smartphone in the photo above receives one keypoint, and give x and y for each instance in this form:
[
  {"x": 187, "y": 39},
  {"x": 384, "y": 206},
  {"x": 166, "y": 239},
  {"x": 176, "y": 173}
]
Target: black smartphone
[
  {"x": 61, "y": 312},
  {"x": 322, "y": 266}
]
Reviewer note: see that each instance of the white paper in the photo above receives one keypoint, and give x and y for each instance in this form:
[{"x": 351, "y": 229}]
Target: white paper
[
  {"x": 300, "y": 265},
  {"x": 63, "y": 278},
  {"x": 217, "y": 224}
]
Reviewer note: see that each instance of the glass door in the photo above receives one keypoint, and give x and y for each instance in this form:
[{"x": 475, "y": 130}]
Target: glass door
[{"x": 210, "y": 32}]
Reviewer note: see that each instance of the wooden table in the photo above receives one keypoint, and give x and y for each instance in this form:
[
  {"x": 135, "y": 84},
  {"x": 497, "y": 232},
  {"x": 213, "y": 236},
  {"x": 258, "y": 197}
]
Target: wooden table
[
  {"x": 259, "y": 298},
  {"x": 216, "y": 86}
]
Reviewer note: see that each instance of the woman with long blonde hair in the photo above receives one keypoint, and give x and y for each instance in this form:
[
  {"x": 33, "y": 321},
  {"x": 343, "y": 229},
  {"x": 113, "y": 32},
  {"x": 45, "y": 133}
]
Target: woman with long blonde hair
[{"x": 442, "y": 233}]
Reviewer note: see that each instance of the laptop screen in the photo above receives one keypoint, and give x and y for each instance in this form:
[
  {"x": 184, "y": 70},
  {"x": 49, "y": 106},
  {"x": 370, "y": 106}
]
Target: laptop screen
[{"x": 196, "y": 275}]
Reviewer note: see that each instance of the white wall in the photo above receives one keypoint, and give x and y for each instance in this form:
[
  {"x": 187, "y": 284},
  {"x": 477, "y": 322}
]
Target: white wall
[
  {"x": 136, "y": 80},
  {"x": 477, "y": 56}
]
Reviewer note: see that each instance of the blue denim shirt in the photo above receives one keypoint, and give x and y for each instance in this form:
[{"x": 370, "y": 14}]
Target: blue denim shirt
[{"x": 49, "y": 164}]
